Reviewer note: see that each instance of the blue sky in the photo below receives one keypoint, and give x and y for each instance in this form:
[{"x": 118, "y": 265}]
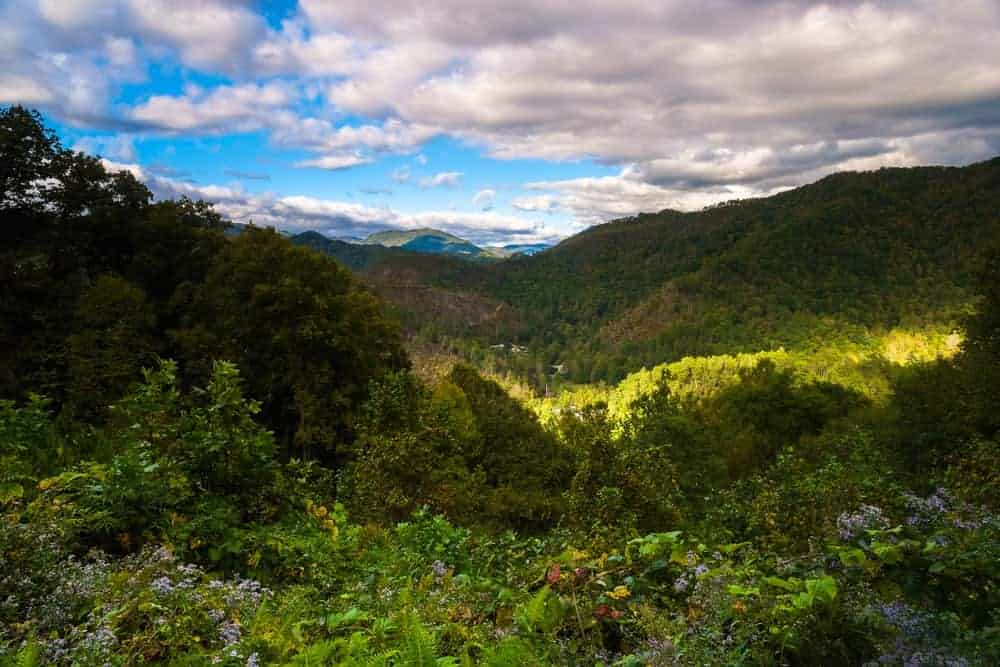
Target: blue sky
[{"x": 502, "y": 122}]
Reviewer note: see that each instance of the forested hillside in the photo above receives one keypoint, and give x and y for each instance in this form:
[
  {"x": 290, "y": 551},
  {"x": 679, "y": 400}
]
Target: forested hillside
[
  {"x": 213, "y": 448},
  {"x": 847, "y": 258},
  {"x": 99, "y": 282}
]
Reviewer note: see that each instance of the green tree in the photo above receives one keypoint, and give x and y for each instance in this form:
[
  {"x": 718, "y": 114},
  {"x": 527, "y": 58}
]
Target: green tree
[
  {"x": 980, "y": 356},
  {"x": 114, "y": 339},
  {"x": 411, "y": 451},
  {"x": 309, "y": 336}
]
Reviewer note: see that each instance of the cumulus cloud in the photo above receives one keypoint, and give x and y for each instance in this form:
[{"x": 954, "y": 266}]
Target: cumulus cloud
[
  {"x": 335, "y": 162},
  {"x": 598, "y": 199},
  {"x": 444, "y": 179},
  {"x": 694, "y": 103},
  {"x": 250, "y": 107},
  {"x": 540, "y": 203},
  {"x": 76, "y": 54},
  {"x": 484, "y": 199},
  {"x": 240, "y": 108},
  {"x": 391, "y": 136},
  {"x": 18, "y": 89},
  {"x": 203, "y": 33},
  {"x": 724, "y": 98}
]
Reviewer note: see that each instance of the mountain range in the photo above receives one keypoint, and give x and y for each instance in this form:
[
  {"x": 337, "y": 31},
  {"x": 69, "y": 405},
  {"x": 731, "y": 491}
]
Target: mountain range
[
  {"x": 425, "y": 241},
  {"x": 848, "y": 256}
]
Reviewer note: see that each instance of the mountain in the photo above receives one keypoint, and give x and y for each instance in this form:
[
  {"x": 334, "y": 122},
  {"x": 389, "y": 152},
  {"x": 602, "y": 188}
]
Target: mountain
[
  {"x": 845, "y": 258},
  {"x": 354, "y": 256},
  {"x": 849, "y": 255},
  {"x": 417, "y": 284},
  {"x": 428, "y": 241},
  {"x": 527, "y": 248},
  {"x": 518, "y": 249}
]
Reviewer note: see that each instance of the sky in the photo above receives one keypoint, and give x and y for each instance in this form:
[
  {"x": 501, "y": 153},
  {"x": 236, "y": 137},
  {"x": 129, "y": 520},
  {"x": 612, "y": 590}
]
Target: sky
[{"x": 507, "y": 121}]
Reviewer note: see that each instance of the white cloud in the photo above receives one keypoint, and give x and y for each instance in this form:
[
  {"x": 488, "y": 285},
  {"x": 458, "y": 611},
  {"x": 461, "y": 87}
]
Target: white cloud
[
  {"x": 335, "y": 162},
  {"x": 694, "y": 103},
  {"x": 444, "y": 179},
  {"x": 540, "y": 203},
  {"x": 746, "y": 96},
  {"x": 301, "y": 213},
  {"x": 599, "y": 199},
  {"x": 226, "y": 109},
  {"x": 17, "y": 89},
  {"x": 121, "y": 52},
  {"x": 204, "y": 33},
  {"x": 392, "y": 136},
  {"x": 484, "y": 199}
]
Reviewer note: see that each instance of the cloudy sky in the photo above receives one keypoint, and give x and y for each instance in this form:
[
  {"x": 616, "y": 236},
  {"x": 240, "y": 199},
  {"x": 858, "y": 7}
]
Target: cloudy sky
[{"x": 507, "y": 122}]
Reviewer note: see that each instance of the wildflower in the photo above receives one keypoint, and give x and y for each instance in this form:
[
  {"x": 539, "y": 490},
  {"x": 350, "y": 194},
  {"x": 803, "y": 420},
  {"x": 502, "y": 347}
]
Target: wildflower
[
  {"x": 968, "y": 524},
  {"x": 681, "y": 584},
  {"x": 439, "y": 569},
  {"x": 700, "y": 569},
  {"x": 620, "y": 592},
  {"x": 554, "y": 573},
  {"x": 253, "y": 660},
  {"x": 660, "y": 646},
  {"x": 163, "y": 554},
  {"x": 852, "y": 526},
  {"x": 230, "y": 634},
  {"x": 162, "y": 586}
]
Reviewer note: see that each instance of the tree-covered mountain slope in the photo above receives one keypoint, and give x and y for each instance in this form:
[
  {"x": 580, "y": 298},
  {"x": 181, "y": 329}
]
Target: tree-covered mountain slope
[
  {"x": 819, "y": 248},
  {"x": 429, "y": 241},
  {"x": 852, "y": 254},
  {"x": 849, "y": 256},
  {"x": 874, "y": 251},
  {"x": 424, "y": 288}
]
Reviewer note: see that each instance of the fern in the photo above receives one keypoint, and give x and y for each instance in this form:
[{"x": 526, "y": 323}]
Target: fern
[
  {"x": 543, "y": 613},
  {"x": 419, "y": 644},
  {"x": 29, "y": 656},
  {"x": 512, "y": 652}
]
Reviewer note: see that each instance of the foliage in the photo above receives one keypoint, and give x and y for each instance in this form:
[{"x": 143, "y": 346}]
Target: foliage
[
  {"x": 466, "y": 449},
  {"x": 98, "y": 281},
  {"x": 288, "y": 493}
]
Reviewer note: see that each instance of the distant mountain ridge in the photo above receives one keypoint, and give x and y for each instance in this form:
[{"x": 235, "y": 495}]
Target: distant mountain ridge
[
  {"x": 425, "y": 241},
  {"x": 428, "y": 241}
]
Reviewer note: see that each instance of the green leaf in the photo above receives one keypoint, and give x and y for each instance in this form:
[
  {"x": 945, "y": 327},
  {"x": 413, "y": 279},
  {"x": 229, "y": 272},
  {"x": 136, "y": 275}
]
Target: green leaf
[
  {"x": 785, "y": 584},
  {"x": 852, "y": 556},
  {"x": 10, "y": 491},
  {"x": 824, "y": 588}
]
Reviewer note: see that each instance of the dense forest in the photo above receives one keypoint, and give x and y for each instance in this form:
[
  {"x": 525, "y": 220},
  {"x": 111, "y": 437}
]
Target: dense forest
[
  {"x": 849, "y": 258},
  {"x": 216, "y": 448}
]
